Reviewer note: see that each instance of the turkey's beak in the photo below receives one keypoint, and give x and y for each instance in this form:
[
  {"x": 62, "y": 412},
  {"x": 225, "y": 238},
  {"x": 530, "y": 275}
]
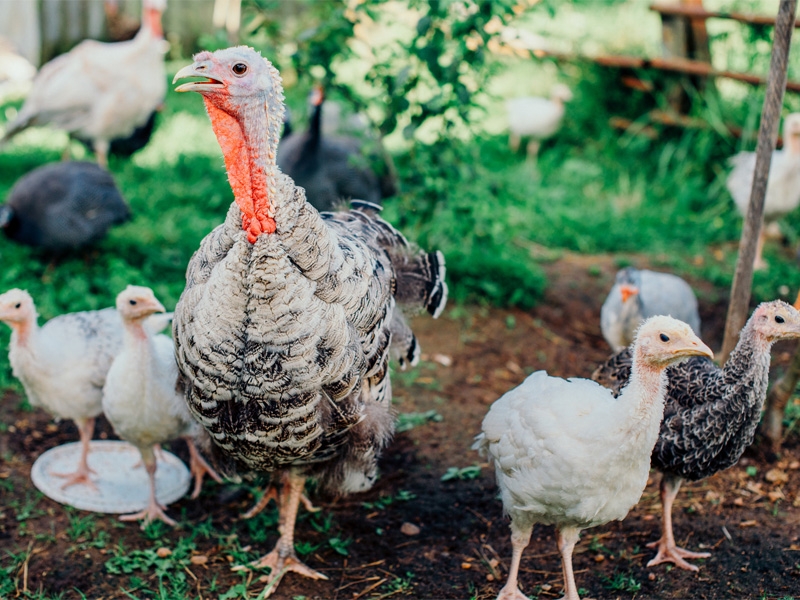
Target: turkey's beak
[
  {"x": 796, "y": 302},
  {"x": 628, "y": 291},
  {"x": 157, "y": 306},
  {"x": 197, "y": 69},
  {"x": 693, "y": 346}
]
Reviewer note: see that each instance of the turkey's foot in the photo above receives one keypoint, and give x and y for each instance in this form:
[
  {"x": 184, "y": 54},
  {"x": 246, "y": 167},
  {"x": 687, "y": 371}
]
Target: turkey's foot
[
  {"x": 279, "y": 566},
  {"x": 153, "y": 511},
  {"x": 511, "y": 593},
  {"x": 675, "y": 555},
  {"x": 198, "y": 467},
  {"x": 269, "y": 494},
  {"x": 79, "y": 477}
]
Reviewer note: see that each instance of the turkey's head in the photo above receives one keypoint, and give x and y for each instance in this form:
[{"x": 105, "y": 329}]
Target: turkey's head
[
  {"x": 244, "y": 99},
  {"x": 662, "y": 341},
  {"x": 17, "y": 309},
  {"x": 774, "y": 321},
  {"x": 791, "y": 133},
  {"x": 629, "y": 282},
  {"x": 135, "y": 303}
]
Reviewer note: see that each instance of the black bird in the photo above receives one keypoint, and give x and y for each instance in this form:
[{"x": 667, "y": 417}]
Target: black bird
[
  {"x": 63, "y": 206},
  {"x": 333, "y": 170}
]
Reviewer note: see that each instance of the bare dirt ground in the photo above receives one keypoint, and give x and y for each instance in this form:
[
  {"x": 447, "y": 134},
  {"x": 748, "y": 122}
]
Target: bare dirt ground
[{"x": 748, "y": 516}]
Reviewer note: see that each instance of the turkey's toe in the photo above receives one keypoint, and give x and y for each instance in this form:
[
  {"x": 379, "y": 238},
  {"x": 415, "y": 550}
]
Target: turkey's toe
[
  {"x": 279, "y": 566},
  {"x": 675, "y": 555},
  {"x": 148, "y": 515}
]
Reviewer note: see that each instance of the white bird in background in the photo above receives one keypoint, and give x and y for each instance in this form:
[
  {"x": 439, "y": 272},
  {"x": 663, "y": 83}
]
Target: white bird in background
[
  {"x": 99, "y": 91},
  {"x": 63, "y": 364},
  {"x": 783, "y": 187},
  {"x": 567, "y": 453},
  {"x": 536, "y": 118},
  {"x": 638, "y": 294},
  {"x": 140, "y": 400}
]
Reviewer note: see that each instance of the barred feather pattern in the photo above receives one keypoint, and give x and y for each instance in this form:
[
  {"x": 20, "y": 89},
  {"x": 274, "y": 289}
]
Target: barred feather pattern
[
  {"x": 284, "y": 344},
  {"x": 711, "y": 414}
]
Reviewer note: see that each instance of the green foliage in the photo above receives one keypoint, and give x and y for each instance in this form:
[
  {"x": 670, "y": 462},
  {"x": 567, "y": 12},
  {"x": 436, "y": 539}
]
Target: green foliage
[
  {"x": 385, "y": 501},
  {"x": 408, "y": 421},
  {"x": 463, "y": 474},
  {"x": 621, "y": 582}
]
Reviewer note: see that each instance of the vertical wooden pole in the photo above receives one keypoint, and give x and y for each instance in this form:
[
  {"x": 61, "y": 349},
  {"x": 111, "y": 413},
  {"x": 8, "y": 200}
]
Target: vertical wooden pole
[{"x": 767, "y": 136}]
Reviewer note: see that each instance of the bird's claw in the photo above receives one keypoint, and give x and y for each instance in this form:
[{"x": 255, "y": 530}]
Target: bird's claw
[
  {"x": 148, "y": 515},
  {"x": 675, "y": 555},
  {"x": 279, "y": 566},
  {"x": 199, "y": 468},
  {"x": 79, "y": 477}
]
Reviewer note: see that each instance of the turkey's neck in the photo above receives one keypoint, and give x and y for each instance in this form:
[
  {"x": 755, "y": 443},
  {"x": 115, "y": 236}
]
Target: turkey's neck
[
  {"x": 315, "y": 128},
  {"x": 249, "y": 142},
  {"x": 748, "y": 365},
  {"x": 644, "y": 396},
  {"x": 134, "y": 333},
  {"x": 151, "y": 23},
  {"x": 24, "y": 334}
]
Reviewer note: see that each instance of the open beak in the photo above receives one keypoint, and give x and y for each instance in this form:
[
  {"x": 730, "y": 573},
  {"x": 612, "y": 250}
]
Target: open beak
[
  {"x": 628, "y": 291},
  {"x": 693, "y": 346},
  {"x": 196, "y": 70}
]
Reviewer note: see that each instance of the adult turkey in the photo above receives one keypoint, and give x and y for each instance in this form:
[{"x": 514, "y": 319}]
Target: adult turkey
[
  {"x": 284, "y": 329},
  {"x": 638, "y": 294},
  {"x": 333, "y": 169},
  {"x": 139, "y": 396},
  {"x": 100, "y": 91},
  {"x": 566, "y": 453},
  {"x": 783, "y": 186},
  {"x": 711, "y": 414},
  {"x": 63, "y": 206}
]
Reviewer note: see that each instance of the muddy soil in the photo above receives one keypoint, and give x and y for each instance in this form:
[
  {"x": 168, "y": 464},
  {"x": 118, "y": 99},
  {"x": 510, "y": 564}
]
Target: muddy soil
[{"x": 748, "y": 516}]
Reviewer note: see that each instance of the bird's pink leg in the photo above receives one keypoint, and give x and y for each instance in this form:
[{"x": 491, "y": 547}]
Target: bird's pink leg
[
  {"x": 101, "y": 148},
  {"x": 199, "y": 467},
  {"x": 668, "y": 551},
  {"x": 519, "y": 541},
  {"x": 272, "y": 494},
  {"x": 283, "y": 558},
  {"x": 567, "y": 538},
  {"x": 154, "y": 510},
  {"x": 86, "y": 430}
]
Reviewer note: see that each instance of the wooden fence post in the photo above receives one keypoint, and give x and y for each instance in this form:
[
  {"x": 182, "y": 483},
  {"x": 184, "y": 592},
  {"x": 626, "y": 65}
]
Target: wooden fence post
[{"x": 767, "y": 136}]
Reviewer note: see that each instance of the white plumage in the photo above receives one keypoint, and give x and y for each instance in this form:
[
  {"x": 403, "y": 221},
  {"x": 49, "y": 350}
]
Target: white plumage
[
  {"x": 638, "y": 294},
  {"x": 535, "y": 117},
  {"x": 99, "y": 91},
  {"x": 566, "y": 453},
  {"x": 783, "y": 188},
  {"x": 140, "y": 400},
  {"x": 63, "y": 364}
]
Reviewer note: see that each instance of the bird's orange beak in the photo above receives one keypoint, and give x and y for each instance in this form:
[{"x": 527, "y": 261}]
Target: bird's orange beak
[
  {"x": 627, "y": 291},
  {"x": 797, "y": 301}
]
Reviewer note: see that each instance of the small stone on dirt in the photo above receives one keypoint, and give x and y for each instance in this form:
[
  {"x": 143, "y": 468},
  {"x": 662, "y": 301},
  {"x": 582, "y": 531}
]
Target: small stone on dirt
[
  {"x": 199, "y": 559},
  {"x": 163, "y": 552},
  {"x": 752, "y": 523},
  {"x": 652, "y": 576},
  {"x": 409, "y": 529},
  {"x": 466, "y": 566},
  {"x": 599, "y": 558},
  {"x": 443, "y": 359},
  {"x": 489, "y": 577},
  {"x": 546, "y": 587}
]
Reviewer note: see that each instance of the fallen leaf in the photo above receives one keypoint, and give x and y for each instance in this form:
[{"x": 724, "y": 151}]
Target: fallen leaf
[
  {"x": 443, "y": 359},
  {"x": 776, "y": 476},
  {"x": 752, "y": 523},
  {"x": 163, "y": 552},
  {"x": 199, "y": 559},
  {"x": 776, "y": 495},
  {"x": 409, "y": 529},
  {"x": 466, "y": 566},
  {"x": 794, "y": 465}
]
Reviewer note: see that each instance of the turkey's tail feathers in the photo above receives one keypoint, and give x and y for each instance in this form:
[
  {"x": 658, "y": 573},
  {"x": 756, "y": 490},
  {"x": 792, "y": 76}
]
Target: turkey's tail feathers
[{"x": 421, "y": 281}]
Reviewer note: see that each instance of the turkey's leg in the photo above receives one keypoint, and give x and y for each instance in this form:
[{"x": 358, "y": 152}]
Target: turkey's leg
[
  {"x": 759, "y": 264},
  {"x": 86, "y": 430},
  {"x": 154, "y": 510},
  {"x": 533, "y": 150},
  {"x": 101, "y": 148},
  {"x": 668, "y": 551},
  {"x": 567, "y": 538},
  {"x": 199, "y": 467},
  {"x": 513, "y": 142},
  {"x": 272, "y": 494},
  {"x": 520, "y": 538},
  {"x": 283, "y": 559}
]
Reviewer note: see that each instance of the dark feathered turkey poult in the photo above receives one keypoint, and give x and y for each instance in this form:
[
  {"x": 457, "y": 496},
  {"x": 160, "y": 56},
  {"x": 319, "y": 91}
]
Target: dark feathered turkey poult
[
  {"x": 711, "y": 414},
  {"x": 63, "y": 206},
  {"x": 284, "y": 330},
  {"x": 335, "y": 169}
]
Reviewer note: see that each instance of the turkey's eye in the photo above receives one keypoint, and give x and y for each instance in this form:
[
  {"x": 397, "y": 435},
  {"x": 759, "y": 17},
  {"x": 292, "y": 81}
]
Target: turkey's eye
[
  {"x": 239, "y": 69},
  {"x": 18, "y": 304},
  {"x": 133, "y": 302},
  {"x": 779, "y": 319},
  {"x": 664, "y": 337}
]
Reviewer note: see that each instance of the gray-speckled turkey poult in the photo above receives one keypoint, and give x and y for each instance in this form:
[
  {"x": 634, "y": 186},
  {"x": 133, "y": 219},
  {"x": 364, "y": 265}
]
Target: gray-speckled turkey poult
[
  {"x": 63, "y": 206},
  {"x": 711, "y": 414},
  {"x": 284, "y": 329}
]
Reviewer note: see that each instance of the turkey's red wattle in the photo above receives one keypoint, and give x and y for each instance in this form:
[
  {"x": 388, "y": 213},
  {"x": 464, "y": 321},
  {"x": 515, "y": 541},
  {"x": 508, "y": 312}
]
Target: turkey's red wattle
[{"x": 248, "y": 181}]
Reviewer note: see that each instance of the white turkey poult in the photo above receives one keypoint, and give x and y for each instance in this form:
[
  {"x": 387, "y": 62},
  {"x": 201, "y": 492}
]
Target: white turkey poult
[
  {"x": 63, "y": 364},
  {"x": 638, "y": 294},
  {"x": 567, "y": 453},
  {"x": 284, "y": 330},
  {"x": 99, "y": 91},
  {"x": 783, "y": 186},
  {"x": 140, "y": 400},
  {"x": 536, "y": 118}
]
